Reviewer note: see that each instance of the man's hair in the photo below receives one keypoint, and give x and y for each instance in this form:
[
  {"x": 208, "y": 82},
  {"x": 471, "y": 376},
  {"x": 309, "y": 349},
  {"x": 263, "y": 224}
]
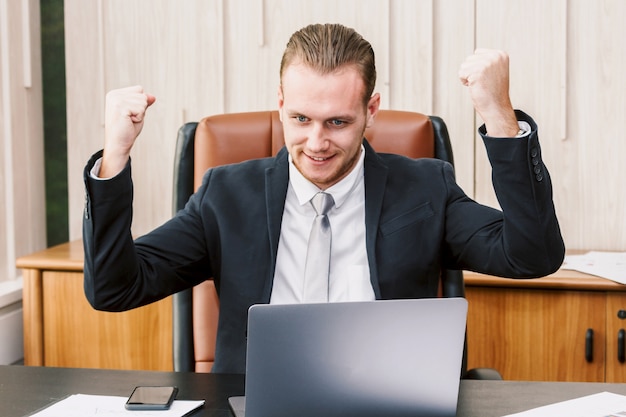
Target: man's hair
[{"x": 328, "y": 47}]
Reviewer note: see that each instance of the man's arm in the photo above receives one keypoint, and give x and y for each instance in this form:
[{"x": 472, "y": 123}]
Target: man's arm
[
  {"x": 527, "y": 241},
  {"x": 120, "y": 273},
  {"x": 110, "y": 239}
]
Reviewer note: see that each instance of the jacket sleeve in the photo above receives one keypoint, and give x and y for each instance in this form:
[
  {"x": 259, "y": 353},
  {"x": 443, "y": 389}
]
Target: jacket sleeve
[
  {"x": 524, "y": 239},
  {"x": 121, "y": 273}
]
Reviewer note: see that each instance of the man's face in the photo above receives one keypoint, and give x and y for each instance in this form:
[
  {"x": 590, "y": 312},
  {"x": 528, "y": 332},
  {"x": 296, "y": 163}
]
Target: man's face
[{"x": 323, "y": 121}]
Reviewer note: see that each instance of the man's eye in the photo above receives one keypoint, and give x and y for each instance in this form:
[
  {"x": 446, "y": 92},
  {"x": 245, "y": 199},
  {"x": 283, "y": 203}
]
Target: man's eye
[
  {"x": 336, "y": 122},
  {"x": 301, "y": 119}
]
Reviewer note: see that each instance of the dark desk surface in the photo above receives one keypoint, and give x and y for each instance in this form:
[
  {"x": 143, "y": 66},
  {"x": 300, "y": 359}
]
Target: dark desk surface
[{"x": 24, "y": 390}]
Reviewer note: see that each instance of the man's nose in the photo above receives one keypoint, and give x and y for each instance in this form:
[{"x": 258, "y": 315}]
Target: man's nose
[{"x": 317, "y": 139}]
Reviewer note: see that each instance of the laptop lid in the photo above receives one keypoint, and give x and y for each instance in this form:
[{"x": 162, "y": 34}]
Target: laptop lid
[{"x": 382, "y": 358}]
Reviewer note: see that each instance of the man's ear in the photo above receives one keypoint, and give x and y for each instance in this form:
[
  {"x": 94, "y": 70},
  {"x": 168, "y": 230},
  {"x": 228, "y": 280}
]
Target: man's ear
[
  {"x": 281, "y": 102},
  {"x": 372, "y": 109}
]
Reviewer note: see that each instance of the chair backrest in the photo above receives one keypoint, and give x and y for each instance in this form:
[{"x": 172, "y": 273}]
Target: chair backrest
[{"x": 229, "y": 138}]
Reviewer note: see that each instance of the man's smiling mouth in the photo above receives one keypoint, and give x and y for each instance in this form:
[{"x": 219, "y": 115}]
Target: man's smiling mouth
[{"x": 318, "y": 158}]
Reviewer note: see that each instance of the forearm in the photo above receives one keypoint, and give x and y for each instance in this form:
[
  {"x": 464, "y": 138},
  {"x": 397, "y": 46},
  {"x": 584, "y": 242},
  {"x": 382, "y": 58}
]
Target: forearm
[
  {"x": 122, "y": 273},
  {"x": 110, "y": 264}
]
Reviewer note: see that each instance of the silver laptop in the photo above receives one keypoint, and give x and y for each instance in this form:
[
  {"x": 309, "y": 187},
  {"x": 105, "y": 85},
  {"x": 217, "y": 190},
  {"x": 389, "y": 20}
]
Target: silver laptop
[{"x": 381, "y": 358}]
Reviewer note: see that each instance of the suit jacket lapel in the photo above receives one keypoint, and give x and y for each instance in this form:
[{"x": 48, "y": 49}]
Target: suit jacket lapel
[
  {"x": 276, "y": 182},
  {"x": 375, "y": 172}
]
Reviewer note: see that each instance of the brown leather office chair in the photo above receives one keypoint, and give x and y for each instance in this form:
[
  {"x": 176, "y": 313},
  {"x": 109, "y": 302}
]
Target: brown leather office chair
[{"x": 229, "y": 138}]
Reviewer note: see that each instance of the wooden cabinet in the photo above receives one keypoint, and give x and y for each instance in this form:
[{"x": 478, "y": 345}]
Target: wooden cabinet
[
  {"x": 559, "y": 328},
  {"x": 616, "y": 329},
  {"x": 62, "y": 329}
]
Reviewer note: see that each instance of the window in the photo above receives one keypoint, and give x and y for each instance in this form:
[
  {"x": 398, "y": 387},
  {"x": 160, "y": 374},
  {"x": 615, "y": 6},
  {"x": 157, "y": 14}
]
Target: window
[{"x": 54, "y": 120}]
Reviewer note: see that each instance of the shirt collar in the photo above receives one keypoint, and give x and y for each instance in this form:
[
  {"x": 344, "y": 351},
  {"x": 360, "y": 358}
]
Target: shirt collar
[{"x": 305, "y": 190}]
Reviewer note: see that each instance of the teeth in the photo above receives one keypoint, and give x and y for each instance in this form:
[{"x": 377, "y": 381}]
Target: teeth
[{"x": 318, "y": 159}]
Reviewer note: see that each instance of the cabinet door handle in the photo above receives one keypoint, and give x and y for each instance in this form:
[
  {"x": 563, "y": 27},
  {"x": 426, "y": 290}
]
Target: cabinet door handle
[
  {"x": 621, "y": 338},
  {"x": 589, "y": 346}
]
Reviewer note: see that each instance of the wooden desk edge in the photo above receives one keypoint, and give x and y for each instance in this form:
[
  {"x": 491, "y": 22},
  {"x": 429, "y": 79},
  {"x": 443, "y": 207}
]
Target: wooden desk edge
[
  {"x": 64, "y": 257},
  {"x": 69, "y": 257},
  {"x": 561, "y": 280}
]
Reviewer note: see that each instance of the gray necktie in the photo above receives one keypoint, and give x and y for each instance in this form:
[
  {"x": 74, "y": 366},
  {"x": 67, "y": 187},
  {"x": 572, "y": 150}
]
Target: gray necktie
[{"x": 317, "y": 265}]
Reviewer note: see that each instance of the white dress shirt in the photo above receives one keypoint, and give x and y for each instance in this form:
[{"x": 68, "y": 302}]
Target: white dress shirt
[{"x": 349, "y": 270}]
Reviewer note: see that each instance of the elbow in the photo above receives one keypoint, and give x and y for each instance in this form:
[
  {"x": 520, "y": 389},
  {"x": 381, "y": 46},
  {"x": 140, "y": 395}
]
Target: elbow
[
  {"x": 100, "y": 303},
  {"x": 555, "y": 254},
  {"x": 547, "y": 258},
  {"x": 555, "y": 259},
  {"x": 551, "y": 260},
  {"x": 558, "y": 262},
  {"x": 102, "y": 298}
]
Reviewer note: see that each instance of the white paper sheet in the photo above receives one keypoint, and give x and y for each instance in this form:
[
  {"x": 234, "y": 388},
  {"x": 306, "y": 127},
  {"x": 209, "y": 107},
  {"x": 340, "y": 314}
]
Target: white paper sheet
[
  {"x": 609, "y": 265},
  {"x": 604, "y": 404},
  {"x": 81, "y": 405}
]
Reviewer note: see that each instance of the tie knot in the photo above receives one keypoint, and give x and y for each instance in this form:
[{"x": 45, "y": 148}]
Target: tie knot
[{"x": 322, "y": 203}]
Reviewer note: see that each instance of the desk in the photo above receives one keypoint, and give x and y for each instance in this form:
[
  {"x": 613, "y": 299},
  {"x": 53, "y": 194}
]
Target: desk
[
  {"x": 563, "y": 327},
  {"x": 25, "y": 389}
]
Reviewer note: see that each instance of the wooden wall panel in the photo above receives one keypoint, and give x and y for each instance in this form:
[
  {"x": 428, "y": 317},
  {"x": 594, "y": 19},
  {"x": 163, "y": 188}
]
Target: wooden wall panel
[
  {"x": 85, "y": 98},
  {"x": 255, "y": 43},
  {"x": 410, "y": 56},
  {"x": 593, "y": 171},
  {"x": 22, "y": 187},
  {"x": 210, "y": 57},
  {"x": 27, "y": 136},
  {"x": 4, "y": 113},
  {"x": 453, "y": 42},
  {"x": 566, "y": 71},
  {"x": 175, "y": 53},
  {"x": 533, "y": 33}
]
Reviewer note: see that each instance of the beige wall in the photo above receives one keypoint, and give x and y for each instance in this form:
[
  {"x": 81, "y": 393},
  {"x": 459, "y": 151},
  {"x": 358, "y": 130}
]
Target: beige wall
[
  {"x": 203, "y": 57},
  {"x": 22, "y": 197}
]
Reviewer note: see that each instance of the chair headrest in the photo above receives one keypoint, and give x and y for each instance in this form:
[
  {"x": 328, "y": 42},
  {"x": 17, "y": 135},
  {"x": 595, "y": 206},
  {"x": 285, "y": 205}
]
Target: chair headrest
[{"x": 236, "y": 137}]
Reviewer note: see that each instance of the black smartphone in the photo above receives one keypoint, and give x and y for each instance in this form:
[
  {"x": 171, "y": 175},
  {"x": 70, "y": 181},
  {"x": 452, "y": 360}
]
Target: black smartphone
[{"x": 151, "y": 398}]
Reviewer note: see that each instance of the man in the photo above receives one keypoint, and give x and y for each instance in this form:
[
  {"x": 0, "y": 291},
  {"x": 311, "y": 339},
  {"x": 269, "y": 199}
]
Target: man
[{"x": 395, "y": 222}]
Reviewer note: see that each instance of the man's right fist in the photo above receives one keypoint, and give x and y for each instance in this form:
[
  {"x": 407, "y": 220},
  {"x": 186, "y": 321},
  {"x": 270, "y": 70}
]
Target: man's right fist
[{"x": 124, "y": 116}]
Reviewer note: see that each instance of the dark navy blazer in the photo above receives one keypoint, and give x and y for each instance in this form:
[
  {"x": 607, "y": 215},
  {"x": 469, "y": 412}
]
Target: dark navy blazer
[{"x": 418, "y": 220}]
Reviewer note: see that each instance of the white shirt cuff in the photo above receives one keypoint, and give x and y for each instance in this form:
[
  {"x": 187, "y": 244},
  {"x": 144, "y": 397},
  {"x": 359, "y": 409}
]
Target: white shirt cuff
[
  {"x": 524, "y": 129},
  {"x": 95, "y": 170}
]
